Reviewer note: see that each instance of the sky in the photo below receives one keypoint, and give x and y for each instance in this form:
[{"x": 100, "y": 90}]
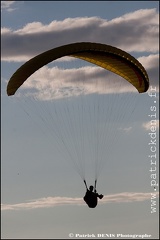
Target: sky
[{"x": 42, "y": 189}]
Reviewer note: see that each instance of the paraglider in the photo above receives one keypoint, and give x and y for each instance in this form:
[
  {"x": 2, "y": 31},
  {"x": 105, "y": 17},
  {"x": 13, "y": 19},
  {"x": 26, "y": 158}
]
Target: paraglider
[
  {"x": 91, "y": 198},
  {"x": 106, "y": 57}
]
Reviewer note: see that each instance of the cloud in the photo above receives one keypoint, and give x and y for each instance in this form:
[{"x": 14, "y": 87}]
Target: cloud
[
  {"x": 151, "y": 64},
  {"x": 150, "y": 124},
  {"x": 137, "y": 31},
  {"x": 53, "y": 83},
  {"x": 6, "y": 5},
  {"x": 126, "y": 129},
  {"x": 61, "y": 201}
]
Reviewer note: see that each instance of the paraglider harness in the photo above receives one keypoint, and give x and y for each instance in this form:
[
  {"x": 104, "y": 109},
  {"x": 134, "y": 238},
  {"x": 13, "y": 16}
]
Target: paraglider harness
[{"x": 91, "y": 196}]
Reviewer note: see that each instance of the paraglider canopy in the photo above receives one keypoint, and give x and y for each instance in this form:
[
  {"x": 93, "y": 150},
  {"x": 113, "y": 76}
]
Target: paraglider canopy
[{"x": 105, "y": 56}]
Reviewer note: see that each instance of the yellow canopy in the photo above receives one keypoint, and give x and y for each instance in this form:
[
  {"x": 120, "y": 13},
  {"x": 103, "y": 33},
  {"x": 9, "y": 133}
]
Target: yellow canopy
[{"x": 105, "y": 56}]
